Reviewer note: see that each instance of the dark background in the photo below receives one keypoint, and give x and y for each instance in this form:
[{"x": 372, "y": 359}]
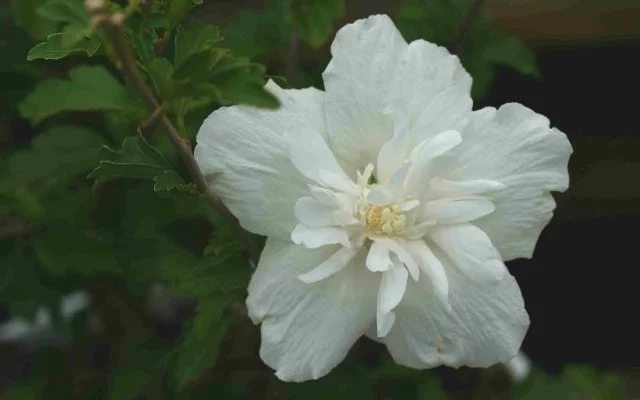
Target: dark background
[{"x": 580, "y": 287}]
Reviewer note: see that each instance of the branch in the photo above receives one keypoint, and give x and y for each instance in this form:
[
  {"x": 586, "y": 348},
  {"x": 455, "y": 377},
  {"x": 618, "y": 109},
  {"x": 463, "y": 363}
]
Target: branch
[
  {"x": 293, "y": 57},
  {"x": 113, "y": 26},
  {"x": 472, "y": 14},
  {"x": 14, "y": 227}
]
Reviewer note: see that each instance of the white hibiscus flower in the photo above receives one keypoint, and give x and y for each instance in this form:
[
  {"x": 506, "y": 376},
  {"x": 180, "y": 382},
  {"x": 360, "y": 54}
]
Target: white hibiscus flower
[{"x": 389, "y": 207}]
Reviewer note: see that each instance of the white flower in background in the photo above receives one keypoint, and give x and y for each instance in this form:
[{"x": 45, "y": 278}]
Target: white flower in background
[{"x": 389, "y": 207}]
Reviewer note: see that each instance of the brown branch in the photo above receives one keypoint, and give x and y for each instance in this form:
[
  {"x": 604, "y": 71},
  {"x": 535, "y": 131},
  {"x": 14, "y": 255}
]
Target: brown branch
[
  {"x": 148, "y": 126},
  {"x": 113, "y": 26},
  {"x": 472, "y": 14},
  {"x": 14, "y": 227},
  {"x": 293, "y": 57}
]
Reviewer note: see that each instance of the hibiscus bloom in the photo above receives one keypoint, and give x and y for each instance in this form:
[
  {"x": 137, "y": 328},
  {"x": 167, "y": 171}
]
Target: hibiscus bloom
[{"x": 389, "y": 207}]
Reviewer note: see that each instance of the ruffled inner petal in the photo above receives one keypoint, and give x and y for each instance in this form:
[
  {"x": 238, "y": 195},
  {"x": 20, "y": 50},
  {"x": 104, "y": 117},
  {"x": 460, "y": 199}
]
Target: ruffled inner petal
[
  {"x": 392, "y": 287},
  {"x": 336, "y": 263},
  {"x": 320, "y": 236}
]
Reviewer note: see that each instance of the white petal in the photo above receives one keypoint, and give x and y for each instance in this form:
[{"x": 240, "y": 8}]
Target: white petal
[
  {"x": 432, "y": 268},
  {"x": 312, "y": 213},
  {"x": 423, "y": 155},
  {"x": 392, "y": 288},
  {"x": 379, "y": 195},
  {"x": 445, "y": 188},
  {"x": 336, "y": 263},
  {"x": 521, "y": 214},
  {"x": 321, "y": 236},
  {"x": 399, "y": 247},
  {"x": 365, "y": 54},
  {"x": 471, "y": 251},
  {"x": 378, "y": 258},
  {"x": 397, "y": 179},
  {"x": 454, "y": 211},
  {"x": 338, "y": 180},
  {"x": 308, "y": 329},
  {"x": 244, "y": 152},
  {"x": 431, "y": 92},
  {"x": 332, "y": 199},
  {"x": 313, "y": 158},
  {"x": 516, "y": 147},
  {"x": 384, "y": 323},
  {"x": 484, "y": 326}
]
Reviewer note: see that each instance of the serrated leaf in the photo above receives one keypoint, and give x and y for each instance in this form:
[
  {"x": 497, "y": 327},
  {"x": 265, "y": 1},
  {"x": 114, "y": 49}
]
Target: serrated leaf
[
  {"x": 169, "y": 180},
  {"x": 54, "y": 48},
  {"x": 55, "y": 156},
  {"x": 244, "y": 86},
  {"x": 198, "y": 66},
  {"x": 193, "y": 38},
  {"x": 88, "y": 88},
  {"x": 143, "y": 37},
  {"x": 206, "y": 331},
  {"x": 314, "y": 18},
  {"x": 137, "y": 159},
  {"x": 75, "y": 37}
]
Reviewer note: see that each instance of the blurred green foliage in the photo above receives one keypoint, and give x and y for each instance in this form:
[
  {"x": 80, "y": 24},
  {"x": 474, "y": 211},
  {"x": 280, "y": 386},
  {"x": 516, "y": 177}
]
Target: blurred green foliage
[
  {"x": 480, "y": 45},
  {"x": 93, "y": 198}
]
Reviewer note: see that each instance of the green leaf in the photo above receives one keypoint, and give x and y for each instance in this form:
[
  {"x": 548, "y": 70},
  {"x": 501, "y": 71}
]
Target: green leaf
[
  {"x": 239, "y": 81},
  {"x": 54, "y": 157},
  {"x": 206, "y": 331},
  {"x": 64, "y": 11},
  {"x": 169, "y": 180},
  {"x": 143, "y": 37},
  {"x": 62, "y": 250},
  {"x": 260, "y": 36},
  {"x": 137, "y": 159},
  {"x": 594, "y": 384},
  {"x": 511, "y": 52},
  {"x": 347, "y": 381},
  {"x": 484, "y": 47},
  {"x": 22, "y": 286},
  {"x": 146, "y": 362},
  {"x": 177, "y": 10},
  {"x": 161, "y": 73},
  {"x": 89, "y": 88},
  {"x": 193, "y": 38},
  {"x": 54, "y": 48},
  {"x": 197, "y": 68},
  {"x": 314, "y": 18},
  {"x": 186, "y": 273},
  {"x": 430, "y": 388},
  {"x": 25, "y": 15},
  {"x": 75, "y": 37}
]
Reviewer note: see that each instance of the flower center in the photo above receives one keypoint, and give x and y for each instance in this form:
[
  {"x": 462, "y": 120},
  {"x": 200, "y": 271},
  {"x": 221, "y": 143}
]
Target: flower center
[{"x": 384, "y": 220}]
